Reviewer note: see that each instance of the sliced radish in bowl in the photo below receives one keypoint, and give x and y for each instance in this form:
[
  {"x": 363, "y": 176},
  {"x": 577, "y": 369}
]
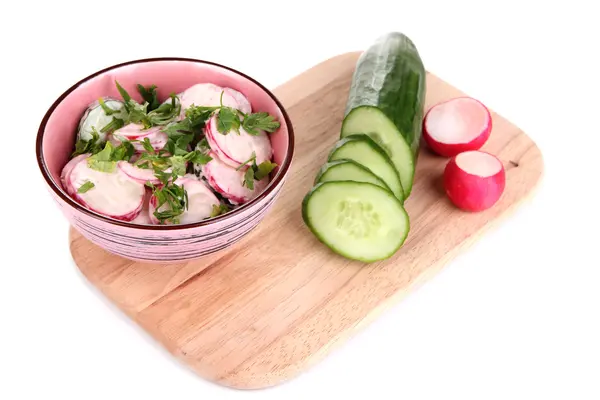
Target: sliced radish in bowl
[
  {"x": 137, "y": 134},
  {"x": 113, "y": 194},
  {"x": 208, "y": 95},
  {"x": 474, "y": 180},
  {"x": 65, "y": 174},
  {"x": 141, "y": 175},
  {"x": 457, "y": 125},
  {"x": 229, "y": 182},
  {"x": 242, "y": 101},
  {"x": 200, "y": 201},
  {"x": 235, "y": 149}
]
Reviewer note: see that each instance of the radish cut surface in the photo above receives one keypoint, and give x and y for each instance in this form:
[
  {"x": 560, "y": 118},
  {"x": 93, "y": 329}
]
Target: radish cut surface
[
  {"x": 474, "y": 180},
  {"x": 65, "y": 174},
  {"x": 457, "y": 125},
  {"x": 228, "y": 182},
  {"x": 242, "y": 102},
  {"x": 235, "y": 149},
  {"x": 206, "y": 94},
  {"x": 200, "y": 201},
  {"x": 136, "y": 132},
  {"x": 114, "y": 194},
  {"x": 141, "y": 175}
]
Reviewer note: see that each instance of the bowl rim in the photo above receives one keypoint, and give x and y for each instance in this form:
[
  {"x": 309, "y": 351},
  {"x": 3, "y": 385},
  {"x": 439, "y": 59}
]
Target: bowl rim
[{"x": 283, "y": 169}]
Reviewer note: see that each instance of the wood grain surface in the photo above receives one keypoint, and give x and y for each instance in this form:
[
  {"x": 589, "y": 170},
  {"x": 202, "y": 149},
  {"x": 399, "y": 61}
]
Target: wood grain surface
[{"x": 272, "y": 305}]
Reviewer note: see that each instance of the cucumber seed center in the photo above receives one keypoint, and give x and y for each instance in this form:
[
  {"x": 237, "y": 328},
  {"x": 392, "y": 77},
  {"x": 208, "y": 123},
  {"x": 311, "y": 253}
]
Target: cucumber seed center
[{"x": 357, "y": 218}]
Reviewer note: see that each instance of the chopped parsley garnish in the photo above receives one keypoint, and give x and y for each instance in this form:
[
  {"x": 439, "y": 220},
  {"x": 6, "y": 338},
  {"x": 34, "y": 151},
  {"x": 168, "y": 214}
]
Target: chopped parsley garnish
[
  {"x": 149, "y": 95},
  {"x": 85, "y": 187},
  {"x": 174, "y": 196},
  {"x": 91, "y": 146},
  {"x": 255, "y": 172},
  {"x": 222, "y": 208},
  {"x": 106, "y": 160}
]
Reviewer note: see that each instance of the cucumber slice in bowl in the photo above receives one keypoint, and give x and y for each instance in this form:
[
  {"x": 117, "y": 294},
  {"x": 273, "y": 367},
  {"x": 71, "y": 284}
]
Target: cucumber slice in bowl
[
  {"x": 357, "y": 220},
  {"x": 348, "y": 170},
  {"x": 363, "y": 150}
]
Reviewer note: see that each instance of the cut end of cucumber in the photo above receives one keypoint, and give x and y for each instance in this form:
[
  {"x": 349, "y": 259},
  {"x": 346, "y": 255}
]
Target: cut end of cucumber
[
  {"x": 358, "y": 220},
  {"x": 371, "y": 121}
]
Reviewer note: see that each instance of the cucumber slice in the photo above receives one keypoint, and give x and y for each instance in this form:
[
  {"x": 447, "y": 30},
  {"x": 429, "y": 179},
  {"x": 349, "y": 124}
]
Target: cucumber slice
[
  {"x": 387, "y": 100},
  {"x": 357, "y": 220},
  {"x": 363, "y": 150},
  {"x": 348, "y": 170}
]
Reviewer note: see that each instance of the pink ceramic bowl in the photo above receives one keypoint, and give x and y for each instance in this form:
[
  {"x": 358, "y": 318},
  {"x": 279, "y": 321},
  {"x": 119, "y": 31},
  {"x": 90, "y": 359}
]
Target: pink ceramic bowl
[{"x": 154, "y": 243}]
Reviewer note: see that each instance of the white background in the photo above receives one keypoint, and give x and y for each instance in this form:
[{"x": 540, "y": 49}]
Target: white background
[{"x": 515, "y": 317}]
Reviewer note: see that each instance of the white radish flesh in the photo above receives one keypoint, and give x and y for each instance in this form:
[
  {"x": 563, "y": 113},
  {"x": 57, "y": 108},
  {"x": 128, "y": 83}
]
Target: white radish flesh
[
  {"x": 200, "y": 201},
  {"x": 95, "y": 118},
  {"x": 242, "y": 101},
  {"x": 137, "y": 134},
  {"x": 206, "y": 94},
  {"x": 457, "y": 125},
  {"x": 141, "y": 175},
  {"x": 474, "y": 180},
  {"x": 225, "y": 180},
  {"x": 235, "y": 149},
  {"x": 143, "y": 217},
  {"x": 114, "y": 194}
]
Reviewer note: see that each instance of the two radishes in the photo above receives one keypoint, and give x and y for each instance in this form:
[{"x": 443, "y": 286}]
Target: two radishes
[{"x": 474, "y": 180}]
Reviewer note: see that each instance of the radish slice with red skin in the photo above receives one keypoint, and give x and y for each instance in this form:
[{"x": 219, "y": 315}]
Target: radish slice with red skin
[
  {"x": 228, "y": 182},
  {"x": 114, "y": 194},
  {"x": 474, "y": 180},
  {"x": 143, "y": 217},
  {"x": 457, "y": 125},
  {"x": 201, "y": 201},
  {"x": 242, "y": 101},
  {"x": 141, "y": 175},
  {"x": 157, "y": 138},
  {"x": 65, "y": 174},
  {"x": 206, "y": 94},
  {"x": 235, "y": 149}
]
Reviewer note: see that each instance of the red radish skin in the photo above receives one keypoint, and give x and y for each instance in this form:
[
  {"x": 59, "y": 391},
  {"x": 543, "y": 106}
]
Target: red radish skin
[
  {"x": 114, "y": 194},
  {"x": 157, "y": 138},
  {"x": 474, "y": 180},
  {"x": 228, "y": 182},
  {"x": 201, "y": 201},
  {"x": 143, "y": 217},
  {"x": 65, "y": 174},
  {"x": 233, "y": 148},
  {"x": 141, "y": 175},
  {"x": 457, "y": 125}
]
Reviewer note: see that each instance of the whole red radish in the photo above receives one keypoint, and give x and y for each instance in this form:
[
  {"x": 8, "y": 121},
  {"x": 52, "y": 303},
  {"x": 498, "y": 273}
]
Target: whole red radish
[
  {"x": 474, "y": 180},
  {"x": 457, "y": 125}
]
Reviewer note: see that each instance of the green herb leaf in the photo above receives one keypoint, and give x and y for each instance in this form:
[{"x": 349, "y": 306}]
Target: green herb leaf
[
  {"x": 126, "y": 97},
  {"x": 123, "y": 152},
  {"x": 85, "y": 187},
  {"x": 261, "y": 121},
  {"x": 197, "y": 157},
  {"x": 177, "y": 165},
  {"x": 102, "y": 161},
  {"x": 218, "y": 210},
  {"x": 92, "y": 146},
  {"x": 166, "y": 112},
  {"x": 149, "y": 95},
  {"x": 263, "y": 169},
  {"x": 107, "y": 109},
  {"x": 113, "y": 125},
  {"x": 227, "y": 120},
  {"x": 174, "y": 197},
  {"x": 250, "y": 160},
  {"x": 148, "y": 146},
  {"x": 249, "y": 178}
]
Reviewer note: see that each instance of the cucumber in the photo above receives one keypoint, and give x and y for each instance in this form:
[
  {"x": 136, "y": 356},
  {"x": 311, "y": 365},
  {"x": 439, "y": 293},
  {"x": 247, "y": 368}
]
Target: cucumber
[
  {"x": 348, "y": 170},
  {"x": 357, "y": 220},
  {"x": 363, "y": 150},
  {"x": 387, "y": 101}
]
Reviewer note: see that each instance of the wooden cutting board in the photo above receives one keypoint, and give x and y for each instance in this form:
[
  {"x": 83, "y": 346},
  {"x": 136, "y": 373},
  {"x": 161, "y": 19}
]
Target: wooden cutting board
[{"x": 278, "y": 301}]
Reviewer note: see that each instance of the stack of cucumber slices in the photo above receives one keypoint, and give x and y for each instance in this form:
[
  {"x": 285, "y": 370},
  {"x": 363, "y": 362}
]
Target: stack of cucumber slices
[{"x": 356, "y": 206}]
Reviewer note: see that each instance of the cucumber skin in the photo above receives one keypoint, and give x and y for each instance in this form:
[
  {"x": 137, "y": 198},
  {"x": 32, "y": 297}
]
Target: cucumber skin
[
  {"x": 319, "y": 237},
  {"x": 330, "y": 164},
  {"x": 366, "y": 138},
  {"x": 398, "y": 91}
]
